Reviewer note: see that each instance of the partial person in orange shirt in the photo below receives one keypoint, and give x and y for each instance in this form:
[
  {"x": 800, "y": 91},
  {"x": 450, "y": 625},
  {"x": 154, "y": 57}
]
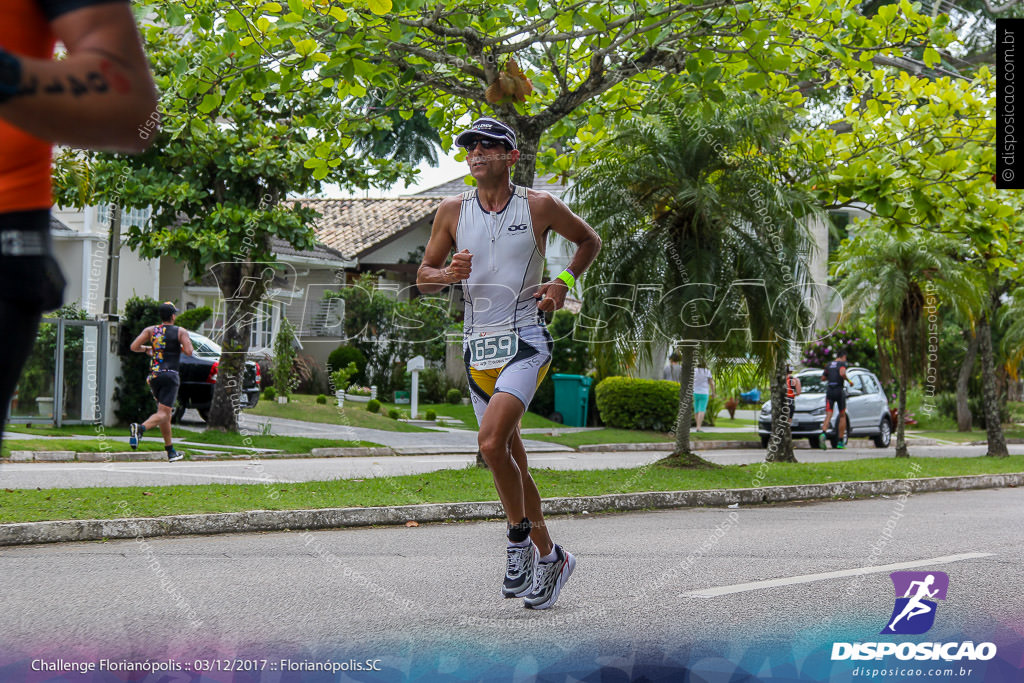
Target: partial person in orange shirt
[{"x": 97, "y": 97}]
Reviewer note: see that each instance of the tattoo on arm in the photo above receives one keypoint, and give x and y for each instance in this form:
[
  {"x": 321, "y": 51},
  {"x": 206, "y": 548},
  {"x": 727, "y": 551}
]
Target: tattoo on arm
[{"x": 94, "y": 82}]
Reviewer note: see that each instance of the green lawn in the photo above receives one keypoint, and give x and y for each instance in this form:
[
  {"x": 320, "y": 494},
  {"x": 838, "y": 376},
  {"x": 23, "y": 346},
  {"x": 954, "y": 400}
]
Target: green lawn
[
  {"x": 76, "y": 445},
  {"x": 305, "y": 407},
  {"x": 471, "y": 484},
  {"x": 1010, "y": 432},
  {"x": 468, "y": 417},
  {"x": 612, "y": 435}
]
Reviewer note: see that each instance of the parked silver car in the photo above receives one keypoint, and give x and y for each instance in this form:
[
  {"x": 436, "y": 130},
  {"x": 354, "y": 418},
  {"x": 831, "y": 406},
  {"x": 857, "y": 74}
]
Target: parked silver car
[{"x": 867, "y": 410}]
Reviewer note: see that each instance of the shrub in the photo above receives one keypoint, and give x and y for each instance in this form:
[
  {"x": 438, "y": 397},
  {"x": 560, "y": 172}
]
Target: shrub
[
  {"x": 454, "y": 396},
  {"x": 308, "y": 377},
  {"x": 434, "y": 385},
  {"x": 134, "y": 399},
  {"x": 431, "y": 415},
  {"x": 393, "y": 413},
  {"x": 194, "y": 319},
  {"x": 284, "y": 357},
  {"x": 341, "y": 376},
  {"x": 321, "y": 399},
  {"x": 356, "y": 390},
  {"x": 373, "y": 405},
  {"x": 343, "y": 355},
  {"x": 638, "y": 403},
  {"x": 270, "y": 393}
]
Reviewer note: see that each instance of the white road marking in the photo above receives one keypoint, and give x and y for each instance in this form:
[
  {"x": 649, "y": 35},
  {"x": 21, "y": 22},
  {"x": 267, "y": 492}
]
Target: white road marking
[{"x": 824, "y": 576}]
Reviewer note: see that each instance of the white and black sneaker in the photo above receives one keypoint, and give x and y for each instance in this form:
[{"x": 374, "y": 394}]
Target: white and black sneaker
[
  {"x": 551, "y": 576},
  {"x": 174, "y": 456},
  {"x": 520, "y": 568},
  {"x": 134, "y": 434}
]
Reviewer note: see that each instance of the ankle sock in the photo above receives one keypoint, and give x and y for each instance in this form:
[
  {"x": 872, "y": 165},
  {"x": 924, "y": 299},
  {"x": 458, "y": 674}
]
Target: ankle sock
[
  {"x": 517, "y": 533},
  {"x": 142, "y": 429},
  {"x": 550, "y": 557},
  {"x": 169, "y": 449}
]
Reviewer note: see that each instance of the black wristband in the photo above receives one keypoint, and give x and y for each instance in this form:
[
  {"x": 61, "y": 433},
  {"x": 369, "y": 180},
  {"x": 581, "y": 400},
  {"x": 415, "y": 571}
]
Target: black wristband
[{"x": 10, "y": 75}]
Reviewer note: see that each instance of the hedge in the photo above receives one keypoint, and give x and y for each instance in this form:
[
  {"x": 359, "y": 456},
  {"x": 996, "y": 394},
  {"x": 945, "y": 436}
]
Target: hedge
[{"x": 630, "y": 403}]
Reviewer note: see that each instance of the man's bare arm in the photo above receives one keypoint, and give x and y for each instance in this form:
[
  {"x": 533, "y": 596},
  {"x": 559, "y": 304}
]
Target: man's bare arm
[
  {"x": 550, "y": 212},
  {"x": 144, "y": 336},
  {"x": 185, "y": 341},
  {"x": 100, "y": 95},
  {"x": 432, "y": 276}
]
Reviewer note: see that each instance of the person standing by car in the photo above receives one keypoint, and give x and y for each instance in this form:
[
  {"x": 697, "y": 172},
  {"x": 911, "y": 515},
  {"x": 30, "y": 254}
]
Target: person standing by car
[
  {"x": 167, "y": 342},
  {"x": 703, "y": 388},
  {"x": 95, "y": 97},
  {"x": 793, "y": 390},
  {"x": 835, "y": 398}
]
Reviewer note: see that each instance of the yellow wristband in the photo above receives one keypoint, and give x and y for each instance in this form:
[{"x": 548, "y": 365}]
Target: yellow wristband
[{"x": 567, "y": 277}]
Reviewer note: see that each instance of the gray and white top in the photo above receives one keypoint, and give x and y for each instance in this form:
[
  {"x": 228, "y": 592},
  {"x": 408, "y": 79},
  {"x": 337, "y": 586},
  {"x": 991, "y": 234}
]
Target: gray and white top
[{"x": 507, "y": 264}]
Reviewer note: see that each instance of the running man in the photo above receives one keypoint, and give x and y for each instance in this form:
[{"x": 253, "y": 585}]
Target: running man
[
  {"x": 96, "y": 97},
  {"x": 835, "y": 398},
  {"x": 914, "y": 606},
  {"x": 499, "y": 231},
  {"x": 167, "y": 342}
]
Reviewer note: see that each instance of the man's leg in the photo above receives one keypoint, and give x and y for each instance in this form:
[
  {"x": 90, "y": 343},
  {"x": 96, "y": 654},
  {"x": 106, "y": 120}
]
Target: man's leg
[
  {"x": 531, "y": 495},
  {"x": 496, "y": 428},
  {"x": 19, "y": 325},
  {"x": 163, "y": 416}
]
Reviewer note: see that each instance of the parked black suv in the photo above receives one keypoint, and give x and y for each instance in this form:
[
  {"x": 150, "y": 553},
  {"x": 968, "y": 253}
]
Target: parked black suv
[{"x": 199, "y": 375}]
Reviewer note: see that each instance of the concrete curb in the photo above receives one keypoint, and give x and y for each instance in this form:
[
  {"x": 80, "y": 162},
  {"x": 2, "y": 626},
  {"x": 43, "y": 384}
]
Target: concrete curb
[{"x": 332, "y": 518}]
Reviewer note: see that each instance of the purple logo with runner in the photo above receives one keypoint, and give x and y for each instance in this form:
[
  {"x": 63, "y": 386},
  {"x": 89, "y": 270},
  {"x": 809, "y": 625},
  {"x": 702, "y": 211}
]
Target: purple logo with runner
[{"x": 916, "y": 592}]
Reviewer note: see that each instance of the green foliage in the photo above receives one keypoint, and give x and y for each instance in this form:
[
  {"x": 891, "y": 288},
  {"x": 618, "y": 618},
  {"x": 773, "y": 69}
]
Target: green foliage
[
  {"x": 430, "y": 415},
  {"x": 321, "y": 399},
  {"x": 194, "y": 319},
  {"x": 638, "y": 403},
  {"x": 38, "y": 374},
  {"x": 393, "y": 413},
  {"x": 389, "y": 332},
  {"x": 454, "y": 396},
  {"x": 570, "y": 356},
  {"x": 284, "y": 357},
  {"x": 373, "y": 405},
  {"x": 732, "y": 379},
  {"x": 270, "y": 393},
  {"x": 434, "y": 385},
  {"x": 134, "y": 400},
  {"x": 340, "y": 377},
  {"x": 858, "y": 342},
  {"x": 345, "y": 354}
]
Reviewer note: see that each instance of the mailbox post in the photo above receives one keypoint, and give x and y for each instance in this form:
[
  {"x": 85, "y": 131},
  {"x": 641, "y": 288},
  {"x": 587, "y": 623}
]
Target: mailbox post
[{"x": 414, "y": 365}]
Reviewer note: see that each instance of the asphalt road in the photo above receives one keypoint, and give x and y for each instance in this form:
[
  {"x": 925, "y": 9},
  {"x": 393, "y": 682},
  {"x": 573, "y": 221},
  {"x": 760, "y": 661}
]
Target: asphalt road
[
  {"x": 768, "y": 588},
  {"x": 75, "y": 475}
]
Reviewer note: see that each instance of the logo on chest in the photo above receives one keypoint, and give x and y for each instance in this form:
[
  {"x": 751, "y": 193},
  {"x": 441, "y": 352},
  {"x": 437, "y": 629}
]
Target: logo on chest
[{"x": 518, "y": 228}]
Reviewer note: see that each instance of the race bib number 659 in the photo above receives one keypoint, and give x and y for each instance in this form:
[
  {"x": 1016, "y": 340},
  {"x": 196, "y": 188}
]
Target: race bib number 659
[{"x": 489, "y": 350}]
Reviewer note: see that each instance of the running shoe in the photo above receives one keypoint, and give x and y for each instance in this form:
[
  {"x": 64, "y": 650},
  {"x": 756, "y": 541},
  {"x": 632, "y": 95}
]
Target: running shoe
[
  {"x": 135, "y": 432},
  {"x": 823, "y": 441},
  {"x": 551, "y": 576},
  {"x": 519, "y": 570},
  {"x": 840, "y": 445},
  {"x": 174, "y": 456}
]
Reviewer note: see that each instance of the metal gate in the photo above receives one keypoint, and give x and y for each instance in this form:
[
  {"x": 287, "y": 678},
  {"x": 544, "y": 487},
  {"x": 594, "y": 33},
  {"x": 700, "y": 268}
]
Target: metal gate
[{"x": 64, "y": 379}]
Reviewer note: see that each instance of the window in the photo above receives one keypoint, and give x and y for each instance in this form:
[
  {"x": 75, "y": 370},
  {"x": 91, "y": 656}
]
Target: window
[
  {"x": 263, "y": 326},
  {"x": 129, "y": 217}
]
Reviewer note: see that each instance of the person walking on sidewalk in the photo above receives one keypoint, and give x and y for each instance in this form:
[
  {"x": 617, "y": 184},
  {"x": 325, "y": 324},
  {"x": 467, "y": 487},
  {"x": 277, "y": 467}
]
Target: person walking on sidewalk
[
  {"x": 96, "y": 96},
  {"x": 499, "y": 231},
  {"x": 164, "y": 343},
  {"x": 703, "y": 388},
  {"x": 835, "y": 399}
]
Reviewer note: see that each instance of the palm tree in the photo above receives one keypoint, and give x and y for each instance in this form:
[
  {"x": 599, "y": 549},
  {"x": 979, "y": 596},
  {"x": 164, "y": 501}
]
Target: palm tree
[
  {"x": 693, "y": 208},
  {"x": 411, "y": 140},
  {"x": 898, "y": 276}
]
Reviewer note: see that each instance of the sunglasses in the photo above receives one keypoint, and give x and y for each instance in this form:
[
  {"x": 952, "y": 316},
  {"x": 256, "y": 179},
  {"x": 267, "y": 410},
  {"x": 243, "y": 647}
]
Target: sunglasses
[{"x": 486, "y": 143}]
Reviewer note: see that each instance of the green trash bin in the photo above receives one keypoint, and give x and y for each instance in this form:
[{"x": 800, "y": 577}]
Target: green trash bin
[{"x": 572, "y": 394}]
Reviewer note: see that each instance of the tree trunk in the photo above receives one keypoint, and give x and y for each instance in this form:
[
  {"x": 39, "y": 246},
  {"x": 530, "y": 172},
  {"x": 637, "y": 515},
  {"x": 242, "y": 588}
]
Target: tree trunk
[
  {"x": 993, "y": 427},
  {"x": 242, "y": 285},
  {"x": 963, "y": 410},
  {"x": 526, "y": 168},
  {"x": 780, "y": 446},
  {"x": 683, "y": 456},
  {"x": 884, "y": 364},
  {"x": 904, "y": 368}
]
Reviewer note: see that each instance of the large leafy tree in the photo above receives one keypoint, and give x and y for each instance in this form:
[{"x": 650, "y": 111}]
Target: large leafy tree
[
  {"x": 571, "y": 72},
  {"x": 250, "y": 114},
  {"x": 703, "y": 245},
  {"x": 899, "y": 277}
]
